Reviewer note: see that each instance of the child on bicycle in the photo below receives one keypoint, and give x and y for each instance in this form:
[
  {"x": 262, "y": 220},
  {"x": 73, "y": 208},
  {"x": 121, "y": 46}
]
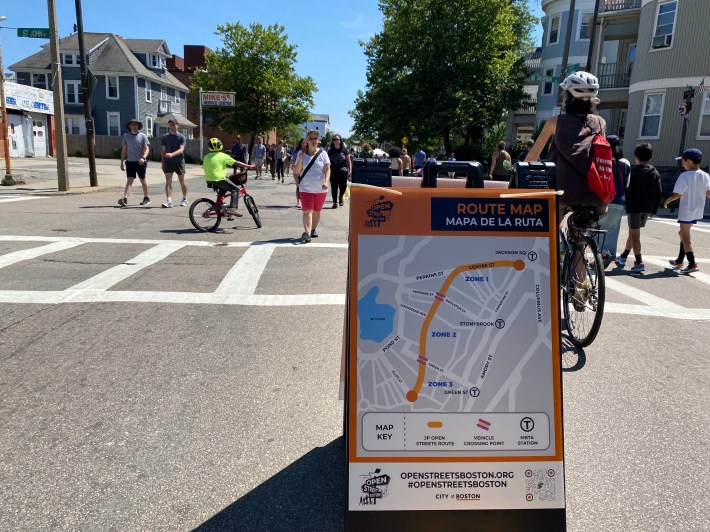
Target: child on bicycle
[
  {"x": 215, "y": 166},
  {"x": 692, "y": 187}
]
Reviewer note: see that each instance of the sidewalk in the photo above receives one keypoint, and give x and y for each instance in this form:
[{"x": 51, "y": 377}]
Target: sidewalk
[{"x": 40, "y": 175}]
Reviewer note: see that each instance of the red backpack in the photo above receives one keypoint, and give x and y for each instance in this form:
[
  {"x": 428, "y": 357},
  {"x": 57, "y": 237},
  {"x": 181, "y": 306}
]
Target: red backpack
[{"x": 600, "y": 176}]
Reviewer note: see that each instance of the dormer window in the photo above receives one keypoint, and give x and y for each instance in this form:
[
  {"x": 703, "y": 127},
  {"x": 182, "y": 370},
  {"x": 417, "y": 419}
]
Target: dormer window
[
  {"x": 70, "y": 59},
  {"x": 156, "y": 61}
]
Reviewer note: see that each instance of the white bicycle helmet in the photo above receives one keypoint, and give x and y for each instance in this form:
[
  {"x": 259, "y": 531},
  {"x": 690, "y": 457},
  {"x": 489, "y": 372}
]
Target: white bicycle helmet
[{"x": 581, "y": 84}]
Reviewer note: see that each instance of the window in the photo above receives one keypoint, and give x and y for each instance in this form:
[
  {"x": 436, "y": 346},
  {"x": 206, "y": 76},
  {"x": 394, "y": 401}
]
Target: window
[
  {"x": 553, "y": 30},
  {"x": 70, "y": 59},
  {"x": 652, "y": 111},
  {"x": 74, "y": 124},
  {"x": 586, "y": 20},
  {"x": 665, "y": 23},
  {"x": 40, "y": 81},
  {"x": 148, "y": 126},
  {"x": 704, "y": 129},
  {"x": 148, "y": 92},
  {"x": 162, "y": 131},
  {"x": 164, "y": 104},
  {"x": 547, "y": 87},
  {"x": 156, "y": 61},
  {"x": 112, "y": 87},
  {"x": 72, "y": 92},
  {"x": 113, "y": 124},
  {"x": 622, "y": 124},
  {"x": 177, "y": 96}
]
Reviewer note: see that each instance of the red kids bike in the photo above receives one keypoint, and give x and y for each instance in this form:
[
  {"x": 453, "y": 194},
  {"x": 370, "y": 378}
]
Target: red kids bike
[{"x": 206, "y": 215}]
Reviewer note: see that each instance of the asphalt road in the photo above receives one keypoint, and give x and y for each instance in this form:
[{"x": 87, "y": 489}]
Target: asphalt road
[{"x": 129, "y": 400}]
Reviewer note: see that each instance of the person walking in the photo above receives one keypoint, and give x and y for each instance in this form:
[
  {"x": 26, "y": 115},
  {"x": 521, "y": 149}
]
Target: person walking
[
  {"x": 611, "y": 221},
  {"x": 172, "y": 154},
  {"x": 340, "y": 169},
  {"x": 280, "y": 157},
  {"x": 396, "y": 164},
  {"x": 643, "y": 197},
  {"x": 406, "y": 162},
  {"x": 259, "y": 156},
  {"x": 287, "y": 160},
  {"x": 134, "y": 160},
  {"x": 500, "y": 171},
  {"x": 419, "y": 158},
  {"x": 313, "y": 169},
  {"x": 271, "y": 160},
  {"x": 300, "y": 146},
  {"x": 691, "y": 188}
]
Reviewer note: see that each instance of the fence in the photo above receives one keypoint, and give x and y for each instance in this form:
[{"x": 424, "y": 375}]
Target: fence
[
  {"x": 614, "y": 75},
  {"x": 619, "y": 5},
  {"x": 109, "y": 147}
]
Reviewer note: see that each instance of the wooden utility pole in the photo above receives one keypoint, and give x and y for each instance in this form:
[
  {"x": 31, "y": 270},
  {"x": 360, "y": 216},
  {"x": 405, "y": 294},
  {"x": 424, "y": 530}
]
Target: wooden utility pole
[
  {"x": 58, "y": 91},
  {"x": 86, "y": 96},
  {"x": 568, "y": 38}
]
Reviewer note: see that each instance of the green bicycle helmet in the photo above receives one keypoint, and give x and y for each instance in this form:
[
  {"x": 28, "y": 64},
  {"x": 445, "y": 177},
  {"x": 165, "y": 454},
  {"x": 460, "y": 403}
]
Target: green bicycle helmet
[{"x": 215, "y": 144}]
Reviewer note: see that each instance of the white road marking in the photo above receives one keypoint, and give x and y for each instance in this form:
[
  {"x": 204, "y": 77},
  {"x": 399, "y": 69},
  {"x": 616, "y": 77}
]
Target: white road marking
[
  {"x": 27, "y": 254},
  {"x": 112, "y": 276},
  {"x": 239, "y": 285},
  {"x": 8, "y": 199},
  {"x": 245, "y": 274},
  {"x": 700, "y": 227}
]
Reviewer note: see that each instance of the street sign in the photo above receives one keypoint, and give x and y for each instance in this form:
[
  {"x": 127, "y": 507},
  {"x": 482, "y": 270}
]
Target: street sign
[
  {"x": 545, "y": 79},
  {"x": 405, "y": 140},
  {"x": 572, "y": 68},
  {"x": 218, "y": 99},
  {"x": 689, "y": 93},
  {"x": 453, "y": 400},
  {"x": 37, "y": 33}
]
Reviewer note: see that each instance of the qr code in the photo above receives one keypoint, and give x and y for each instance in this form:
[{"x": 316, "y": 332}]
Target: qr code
[{"x": 540, "y": 485}]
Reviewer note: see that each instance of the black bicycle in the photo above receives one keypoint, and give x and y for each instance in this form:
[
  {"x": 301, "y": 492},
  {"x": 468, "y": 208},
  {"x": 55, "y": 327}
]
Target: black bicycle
[
  {"x": 206, "y": 214},
  {"x": 582, "y": 275}
]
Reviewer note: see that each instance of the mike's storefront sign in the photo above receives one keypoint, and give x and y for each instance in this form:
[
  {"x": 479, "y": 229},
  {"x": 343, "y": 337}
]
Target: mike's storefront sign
[
  {"x": 217, "y": 99},
  {"x": 454, "y": 413}
]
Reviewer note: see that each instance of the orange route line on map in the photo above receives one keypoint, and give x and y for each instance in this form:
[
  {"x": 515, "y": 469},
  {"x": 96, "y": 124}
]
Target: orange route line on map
[{"x": 440, "y": 296}]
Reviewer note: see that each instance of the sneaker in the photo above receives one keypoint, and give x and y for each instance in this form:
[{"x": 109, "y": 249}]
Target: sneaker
[
  {"x": 314, "y": 234},
  {"x": 638, "y": 267},
  {"x": 620, "y": 261},
  {"x": 306, "y": 238},
  {"x": 183, "y": 203},
  {"x": 674, "y": 264},
  {"x": 167, "y": 205},
  {"x": 146, "y": 201},
  {"x": 690, "y": 268},
  {"x": 123, "y": 202},
  {"x": 234, "y": 212},
  {"x": 607, "y": 259},
  {"x": 341, "y": 203},
  {"x": 335, "y": 206}
]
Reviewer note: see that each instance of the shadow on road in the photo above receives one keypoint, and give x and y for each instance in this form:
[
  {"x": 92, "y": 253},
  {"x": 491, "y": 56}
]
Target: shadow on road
[
  {"x": 660, "y": 274},
  {"x": 573, "y": 357},
  {"x": 309, "y": 495}
]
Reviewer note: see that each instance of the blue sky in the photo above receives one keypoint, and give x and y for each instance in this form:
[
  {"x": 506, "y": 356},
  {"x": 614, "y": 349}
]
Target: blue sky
[{"x": 326, "y": 37}]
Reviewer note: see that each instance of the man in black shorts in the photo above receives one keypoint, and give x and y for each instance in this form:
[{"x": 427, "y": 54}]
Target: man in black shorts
[
  {"x": 172, "y": 153},
  {"x": 134, "y": 160}
]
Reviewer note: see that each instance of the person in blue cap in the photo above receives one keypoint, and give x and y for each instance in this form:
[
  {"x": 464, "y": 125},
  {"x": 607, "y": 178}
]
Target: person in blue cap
[{"x": 692, "y": 187}]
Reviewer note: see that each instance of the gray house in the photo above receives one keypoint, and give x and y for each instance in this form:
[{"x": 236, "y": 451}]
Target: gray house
[{"x": 131, "y": 81}]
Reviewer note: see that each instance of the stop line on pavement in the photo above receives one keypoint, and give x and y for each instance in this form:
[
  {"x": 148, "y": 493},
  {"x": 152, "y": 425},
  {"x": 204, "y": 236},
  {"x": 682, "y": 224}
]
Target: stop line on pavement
[{"x": 238, "y": 287}]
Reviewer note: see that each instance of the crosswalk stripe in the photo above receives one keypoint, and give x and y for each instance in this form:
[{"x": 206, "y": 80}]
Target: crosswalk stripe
[
  {"x": 245, "y": 274},
  {"x": 26, "y": 254},
  {"x": 8, "y": 199},
  {"x": 113, "y": 276}
]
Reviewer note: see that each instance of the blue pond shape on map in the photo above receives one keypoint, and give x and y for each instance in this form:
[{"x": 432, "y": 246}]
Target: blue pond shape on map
[{"x": 376, "y": 319}]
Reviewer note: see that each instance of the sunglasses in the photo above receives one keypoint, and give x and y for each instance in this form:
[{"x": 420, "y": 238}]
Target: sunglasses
[{"x": 336, "y": 140}]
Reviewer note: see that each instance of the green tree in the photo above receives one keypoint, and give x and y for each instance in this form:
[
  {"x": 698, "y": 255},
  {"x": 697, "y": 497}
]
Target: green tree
[
  {"x": 256, "y": 63},
  {"x": 443, "y": 68}
]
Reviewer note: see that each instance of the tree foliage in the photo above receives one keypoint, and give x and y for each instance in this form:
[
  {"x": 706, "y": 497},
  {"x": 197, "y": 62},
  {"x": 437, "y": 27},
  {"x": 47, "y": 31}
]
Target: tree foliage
[
  {"x": 256, "y": 63},
  {"x": 443, "y": 67}
]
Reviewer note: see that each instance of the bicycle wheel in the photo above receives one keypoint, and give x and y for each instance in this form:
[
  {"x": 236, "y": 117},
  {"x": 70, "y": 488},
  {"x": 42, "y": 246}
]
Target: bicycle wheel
[
  {"x": 204, "y": 216},
  {"x": 253, "y": 210},
  {"x": 583, "y": 291}
]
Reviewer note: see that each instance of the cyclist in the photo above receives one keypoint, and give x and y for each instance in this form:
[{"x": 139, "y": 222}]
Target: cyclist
[
  {"x": 215, "y": 166},
  {"x": 572, "y": 145},
  {"x": 571, "y": 152}
]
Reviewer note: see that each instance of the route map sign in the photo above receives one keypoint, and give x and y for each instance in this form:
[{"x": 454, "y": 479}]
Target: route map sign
[{"x": 453, "y": 391}]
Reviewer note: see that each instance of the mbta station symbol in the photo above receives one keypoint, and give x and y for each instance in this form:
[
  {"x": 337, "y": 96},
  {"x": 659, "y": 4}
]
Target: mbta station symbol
[{"x": 527, "y": 424}]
